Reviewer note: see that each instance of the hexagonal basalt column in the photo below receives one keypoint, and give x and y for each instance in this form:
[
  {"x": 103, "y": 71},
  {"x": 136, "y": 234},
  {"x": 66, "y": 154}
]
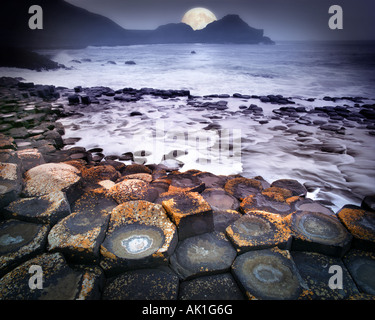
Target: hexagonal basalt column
[
  {"x": 361, "y": 266},
  {"x": 129, "y": 190},
  {"x": 51, "y": 177},
  {"x": 139, "y": 235},
  {"x": 241, "y": 187},
  {"x": 361, "y": 224},
  {"x": 219, "y": 199},
  {"x": 49, "y": 208},
  {"x": 190, "y": 212},
  {"x": 204, "y": 254},
  {"x": 317, "y": 270},
  {"x": 268, "y": 274},
  {"x": 273, "y": 200},
  {"x": 19, "y": 241},
  {"x": 319, "y": 233},
  {"x": 144, "y": 284},
  {"x": 254, "y": 232},
  {"x": 79, "y": 236},
  {"x": 213, "y": 287},
  {"x": 59, "y": 281}
]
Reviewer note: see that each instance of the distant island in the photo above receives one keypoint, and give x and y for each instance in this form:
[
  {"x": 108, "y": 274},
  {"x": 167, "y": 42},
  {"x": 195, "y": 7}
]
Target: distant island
[{"x": 68, "y": 26}]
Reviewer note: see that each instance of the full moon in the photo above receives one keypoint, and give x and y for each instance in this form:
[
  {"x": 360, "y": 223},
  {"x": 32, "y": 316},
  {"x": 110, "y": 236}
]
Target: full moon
[{"x": 198, "y": 18}]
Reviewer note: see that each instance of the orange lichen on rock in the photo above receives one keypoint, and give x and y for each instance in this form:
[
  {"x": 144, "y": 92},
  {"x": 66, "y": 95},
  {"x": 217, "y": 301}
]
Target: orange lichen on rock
[
  {"x": 128, "y": 190},
  {"x": 359, "y": 222},
  {"x": 144, "y": 213},
  {"x": 259, "y": 231},
  {"x": 243, "y": 187},
  {"x": 184, "y": 204},
  {"x": 50, "y": 177}
]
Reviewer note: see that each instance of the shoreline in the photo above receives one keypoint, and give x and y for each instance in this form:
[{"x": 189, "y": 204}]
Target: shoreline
[{"x": 74, "y": 203}]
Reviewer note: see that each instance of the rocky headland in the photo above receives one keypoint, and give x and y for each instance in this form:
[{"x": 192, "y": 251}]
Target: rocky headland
[{"x": 106, "y": 227}]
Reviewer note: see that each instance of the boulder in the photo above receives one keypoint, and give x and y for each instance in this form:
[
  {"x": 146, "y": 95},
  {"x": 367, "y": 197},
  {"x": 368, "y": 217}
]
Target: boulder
[
  {"x": 361, "y": 225},
  {"x": 190, "y": 213},
  {"x": 268, "y": 274},
  {"x": 48, "y": 209},
  {"x": 139, "y": 235},
  {"x": 20, "y": 241},
  {"x": 213, "y": 287},
  {"x": 79, "y": 236},
  {"x": 51, "y": 177},
  {"x": 317, "y": 232},
  {"x": 145, "y": 284},
  {"x": 254, "y": 232},
  {"x": 205, "y": 254}
]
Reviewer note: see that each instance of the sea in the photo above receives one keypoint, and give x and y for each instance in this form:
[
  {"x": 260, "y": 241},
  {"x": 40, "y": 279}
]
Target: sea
[{"x": 297, "y": 70}]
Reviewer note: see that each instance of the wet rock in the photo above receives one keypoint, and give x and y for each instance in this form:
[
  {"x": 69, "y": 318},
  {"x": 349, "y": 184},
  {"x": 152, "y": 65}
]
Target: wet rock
[
  {"x": 139, "y": 235},
  {"x": 214, "y": 287},
  {"x": 205, "y": 254},
  {"x": 320, "y": 233},
  {"x": 254, "y": 232},
  {"x": 20, "y": 241},
  {"x": 190, "y": 213},
  {"x": 313, "y": 206},
  {"x": 268, "y": 274},
  {"x": 361, "y": 266},
  {"x": 185, "y": 181},
  {"x": 79, "y": 236},
  {"x": 130, "y": 62},
  {"x": 145, "y": 284},
  {"x": 130, "y": 189},
  {"x": 368, "y": 203},
  {"x": 60, "y": 282},
  {"x": 274, "y": 200},
  {"x": 315, "y": 270},
  {"x": 241, "y": 187},
  {"x": 361, "y": 224},
  {"x": 51, "y": 177},
  {"x": 222, "y": 219},
  {"x": 210, "y": 180},
  {"x": 48, "y": 209},
  {"x": 6, "y": 142},
  {"x": 219, "y": 199},
  {"x": 74, "y": 99},
  {"x": 293, "y": 185}
]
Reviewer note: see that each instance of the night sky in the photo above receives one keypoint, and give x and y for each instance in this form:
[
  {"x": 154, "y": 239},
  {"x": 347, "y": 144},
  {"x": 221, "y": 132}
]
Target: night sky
[{"x": 280, "y": 19}]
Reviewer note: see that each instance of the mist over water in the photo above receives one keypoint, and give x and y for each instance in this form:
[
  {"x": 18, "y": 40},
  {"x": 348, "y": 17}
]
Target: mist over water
[{"x": 296, "y": 70}]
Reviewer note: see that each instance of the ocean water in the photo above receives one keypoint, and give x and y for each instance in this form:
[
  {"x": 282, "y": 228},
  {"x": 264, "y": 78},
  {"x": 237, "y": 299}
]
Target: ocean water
[
  {"x": 240, "y": 144},
  {"x": 287, "y": 68}
]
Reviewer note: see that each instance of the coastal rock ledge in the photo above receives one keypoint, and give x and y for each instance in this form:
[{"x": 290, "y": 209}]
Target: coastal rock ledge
[{"x": 102, "y": 229}]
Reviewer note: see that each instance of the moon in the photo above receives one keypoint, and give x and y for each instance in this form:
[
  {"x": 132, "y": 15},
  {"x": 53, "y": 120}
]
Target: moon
[{"x": 198, "y": 18}]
